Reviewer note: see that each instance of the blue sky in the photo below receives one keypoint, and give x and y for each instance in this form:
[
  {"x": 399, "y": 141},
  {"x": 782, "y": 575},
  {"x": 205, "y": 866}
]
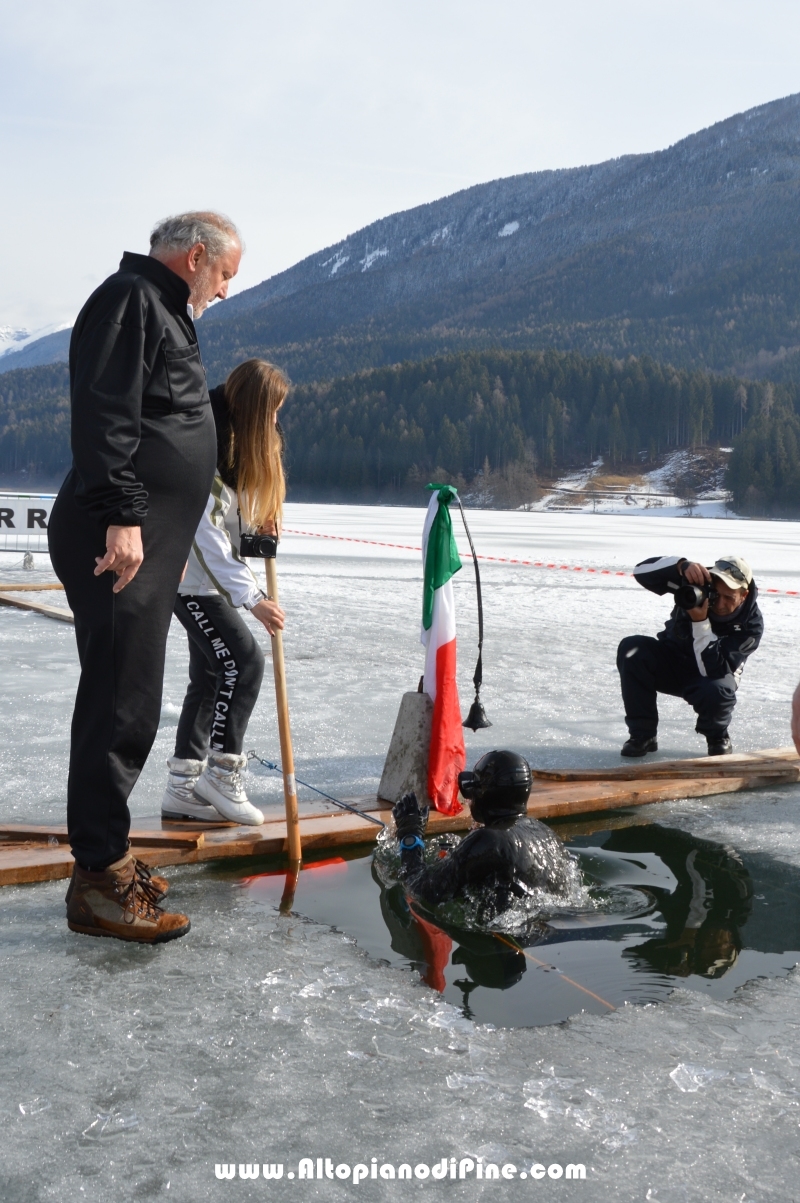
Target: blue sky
[{"x": 306, "y": 121}]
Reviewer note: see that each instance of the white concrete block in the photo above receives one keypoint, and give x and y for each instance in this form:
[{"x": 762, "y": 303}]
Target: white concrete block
[{"x": 406, "y": 766}]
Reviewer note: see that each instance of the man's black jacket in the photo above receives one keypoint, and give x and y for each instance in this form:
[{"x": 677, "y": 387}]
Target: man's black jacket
[
  {"x": 133, "y": 356},
  {"x": 719, "y": 645}
]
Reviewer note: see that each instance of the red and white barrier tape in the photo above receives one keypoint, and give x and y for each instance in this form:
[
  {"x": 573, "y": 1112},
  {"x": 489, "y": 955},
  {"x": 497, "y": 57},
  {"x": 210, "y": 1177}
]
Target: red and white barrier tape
[{"x": 497, "y": 559}]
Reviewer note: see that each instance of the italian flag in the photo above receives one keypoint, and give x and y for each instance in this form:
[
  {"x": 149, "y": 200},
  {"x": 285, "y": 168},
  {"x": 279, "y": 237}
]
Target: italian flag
[{"x": 441, "y": 561}]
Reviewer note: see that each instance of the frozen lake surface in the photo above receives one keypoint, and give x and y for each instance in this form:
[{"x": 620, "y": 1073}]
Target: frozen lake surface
[{"x": 128, "y": 1073}]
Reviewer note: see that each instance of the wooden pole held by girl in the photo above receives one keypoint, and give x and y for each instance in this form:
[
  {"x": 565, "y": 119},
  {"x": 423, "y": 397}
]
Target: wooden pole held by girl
[{"x": 284, "y": 730}]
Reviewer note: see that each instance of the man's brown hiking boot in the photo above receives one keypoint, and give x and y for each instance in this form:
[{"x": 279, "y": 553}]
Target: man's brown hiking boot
[
  {"x": 118, "y": 902},
  {"x": 158, "y": 885}
]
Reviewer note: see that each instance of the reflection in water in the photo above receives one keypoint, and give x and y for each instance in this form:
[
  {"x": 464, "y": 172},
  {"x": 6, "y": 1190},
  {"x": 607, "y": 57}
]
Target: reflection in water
[
  {"x": 652, "y": 908},
  {"x": 700, "y": 890},
  {"x": 427, "y": 940},
  {"x": 706, "y": 910}
]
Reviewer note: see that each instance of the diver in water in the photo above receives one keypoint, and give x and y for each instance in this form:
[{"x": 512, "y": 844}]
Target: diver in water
[{"x": 509, "y": 855}]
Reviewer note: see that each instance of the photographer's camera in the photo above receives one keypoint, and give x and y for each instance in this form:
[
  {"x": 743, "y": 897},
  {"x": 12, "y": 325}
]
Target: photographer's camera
[{"x": 689, "y": 597}]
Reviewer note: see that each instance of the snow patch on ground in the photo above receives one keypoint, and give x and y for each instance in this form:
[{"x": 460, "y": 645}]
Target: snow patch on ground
[
  {"x": 372, "y": 257},
  {"x": 338, "y": 260},
  {"x": 508, "y": 229},
  {"x": 684, "y": 484}
]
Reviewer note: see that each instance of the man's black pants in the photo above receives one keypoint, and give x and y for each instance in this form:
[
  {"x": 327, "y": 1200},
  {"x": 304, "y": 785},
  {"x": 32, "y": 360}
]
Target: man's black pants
[
  {"x": 650, "y": 666},
  {"x": 122, "y": 637},
  {"x": 226, "y": 666}
]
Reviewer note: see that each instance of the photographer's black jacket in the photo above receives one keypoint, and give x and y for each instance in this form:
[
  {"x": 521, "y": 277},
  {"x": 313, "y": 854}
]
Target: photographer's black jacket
[
  {"x": 510, "y": 857},
  {"x": 133, "y": 354},
  {"x": 718, "y": 645}
]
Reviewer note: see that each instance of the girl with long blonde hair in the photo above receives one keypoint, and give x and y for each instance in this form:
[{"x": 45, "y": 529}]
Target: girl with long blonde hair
[{"x": 226, "y": 664}]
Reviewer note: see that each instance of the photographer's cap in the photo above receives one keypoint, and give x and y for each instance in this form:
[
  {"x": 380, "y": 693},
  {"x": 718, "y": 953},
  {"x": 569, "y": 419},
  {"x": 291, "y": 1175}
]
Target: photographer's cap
[{"x": 734, "y": 571}]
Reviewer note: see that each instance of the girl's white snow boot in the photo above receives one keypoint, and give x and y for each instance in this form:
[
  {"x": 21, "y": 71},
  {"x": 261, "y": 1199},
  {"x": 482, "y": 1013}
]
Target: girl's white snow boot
[
  {"x": 221, "y": 784},
  {"x": 179, "y": 801}
]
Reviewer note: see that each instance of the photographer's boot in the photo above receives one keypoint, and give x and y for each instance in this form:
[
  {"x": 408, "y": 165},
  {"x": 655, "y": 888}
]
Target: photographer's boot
[
  {"x": 719, "y": 744},
  {"x": 639, "y": 745},
  {"x": 118, "y": 902},
  {"x": 221, "y": 784}
]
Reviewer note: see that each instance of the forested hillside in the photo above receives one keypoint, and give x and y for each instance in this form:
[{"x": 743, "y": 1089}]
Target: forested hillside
[
  {"x": 518, "y": 415},
  {"x": 382, "y": 431},
  {"x": 764, "y": 472},
  {"x": 34, "y": 420}
]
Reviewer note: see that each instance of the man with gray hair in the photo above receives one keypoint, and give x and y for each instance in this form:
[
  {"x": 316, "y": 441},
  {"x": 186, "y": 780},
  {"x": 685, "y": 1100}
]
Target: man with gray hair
[{"x": 144, "y": 455}]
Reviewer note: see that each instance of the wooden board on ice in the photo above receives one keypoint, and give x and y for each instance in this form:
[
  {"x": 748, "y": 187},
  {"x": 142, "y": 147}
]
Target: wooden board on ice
[{"x": 30, "y": 853}]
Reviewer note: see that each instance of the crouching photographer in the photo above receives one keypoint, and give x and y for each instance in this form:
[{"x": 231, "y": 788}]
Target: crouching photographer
[{"x": 699, "y": 656}]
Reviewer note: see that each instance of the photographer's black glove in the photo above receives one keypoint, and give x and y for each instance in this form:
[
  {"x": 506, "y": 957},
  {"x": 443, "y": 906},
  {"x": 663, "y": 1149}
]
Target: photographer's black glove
[{"x": 409, "y": 817}]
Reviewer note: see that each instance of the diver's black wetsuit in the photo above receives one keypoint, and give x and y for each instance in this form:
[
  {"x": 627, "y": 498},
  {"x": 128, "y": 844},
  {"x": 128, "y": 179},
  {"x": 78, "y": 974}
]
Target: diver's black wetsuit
[
  {"x": 508, "y": 857},
  {"x": 143, "y": 455}
]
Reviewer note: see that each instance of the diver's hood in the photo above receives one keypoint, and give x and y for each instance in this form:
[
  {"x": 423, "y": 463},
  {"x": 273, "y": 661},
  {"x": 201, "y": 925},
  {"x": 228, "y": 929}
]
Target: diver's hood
[{"x": 498, "y": 786}]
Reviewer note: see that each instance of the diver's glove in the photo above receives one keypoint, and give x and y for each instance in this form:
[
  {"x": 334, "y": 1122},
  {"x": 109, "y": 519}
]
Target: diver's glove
[{"x": 410, "y": 819}]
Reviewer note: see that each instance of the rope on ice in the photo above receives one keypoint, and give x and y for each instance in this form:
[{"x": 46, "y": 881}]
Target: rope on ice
[{"x": 276, "y": 768}]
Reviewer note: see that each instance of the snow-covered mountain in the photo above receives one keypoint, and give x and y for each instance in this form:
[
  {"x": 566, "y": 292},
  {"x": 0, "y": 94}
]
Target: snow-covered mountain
[
  {"x": 687, "y": 254},
  {"x": 20, "y": 348},
  {"x": 13, "y": 336}
]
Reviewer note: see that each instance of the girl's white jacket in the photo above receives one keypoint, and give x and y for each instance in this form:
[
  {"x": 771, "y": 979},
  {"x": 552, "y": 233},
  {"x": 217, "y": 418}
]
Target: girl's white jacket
[{"x": 215, "y": 565}]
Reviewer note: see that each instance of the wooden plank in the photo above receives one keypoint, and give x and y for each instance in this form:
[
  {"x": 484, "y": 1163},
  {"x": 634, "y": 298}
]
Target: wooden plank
[
  {"x": 31, "y": 588},
  {"x": 780, "y": 760},
  {"x": 582, "y": 798},
  {"x": 61, "y": 613},
  {"x": 22, "y": 833},
  {"x": 365, "y": 802},
  {"x": 28, "y": 859},
  {"x": 25, "y": 832},
  {"x": 26, "y": 854},
  {"x": 777, "y": 769},
  {"x": 21, "y": 864}
]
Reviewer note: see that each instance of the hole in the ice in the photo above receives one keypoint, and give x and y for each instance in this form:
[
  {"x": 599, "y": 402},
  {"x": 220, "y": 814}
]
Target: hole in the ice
[{"x": 649, "y": 908}]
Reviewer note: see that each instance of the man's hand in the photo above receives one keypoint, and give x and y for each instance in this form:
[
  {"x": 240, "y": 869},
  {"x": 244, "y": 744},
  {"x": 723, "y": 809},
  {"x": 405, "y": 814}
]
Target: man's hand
[
  {"x": 699, "y": 613},
  {"x": 796, "y": 718},
  {"x": 697, "y": 574},
  {"x": 123, "y": 556},
  {"x": 270, "y": 614}
]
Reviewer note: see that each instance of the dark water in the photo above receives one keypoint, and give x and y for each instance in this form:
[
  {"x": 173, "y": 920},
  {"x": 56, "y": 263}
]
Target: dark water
[{"x": 663, "y": 908}]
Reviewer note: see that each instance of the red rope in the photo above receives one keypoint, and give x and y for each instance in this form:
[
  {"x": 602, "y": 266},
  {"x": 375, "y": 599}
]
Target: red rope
[{"x": 495, "y": 559}]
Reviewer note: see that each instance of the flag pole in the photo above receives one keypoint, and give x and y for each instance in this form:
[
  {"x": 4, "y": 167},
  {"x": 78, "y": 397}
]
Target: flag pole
[{"x": 287, "y": 755}]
